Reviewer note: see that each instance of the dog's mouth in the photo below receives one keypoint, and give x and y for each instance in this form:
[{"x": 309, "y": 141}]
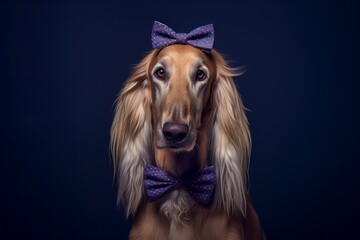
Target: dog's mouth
[{"x": 176, "y": 137}]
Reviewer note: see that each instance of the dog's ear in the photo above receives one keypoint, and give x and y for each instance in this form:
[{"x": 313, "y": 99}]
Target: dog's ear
[
  {"x": 131, "y": 135},
  {"x": 230, "y": 140}
]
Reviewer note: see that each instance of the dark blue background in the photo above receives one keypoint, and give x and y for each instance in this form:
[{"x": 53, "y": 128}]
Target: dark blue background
[{"x": 63, "y": 63}]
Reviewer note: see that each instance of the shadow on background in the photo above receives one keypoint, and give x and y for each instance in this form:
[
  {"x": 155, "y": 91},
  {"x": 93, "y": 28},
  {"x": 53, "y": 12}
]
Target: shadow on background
[{"x": 63, "y": 64}]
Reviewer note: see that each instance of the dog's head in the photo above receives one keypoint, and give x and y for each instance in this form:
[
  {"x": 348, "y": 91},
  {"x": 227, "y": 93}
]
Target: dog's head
[{"x": 173, "y": 95}]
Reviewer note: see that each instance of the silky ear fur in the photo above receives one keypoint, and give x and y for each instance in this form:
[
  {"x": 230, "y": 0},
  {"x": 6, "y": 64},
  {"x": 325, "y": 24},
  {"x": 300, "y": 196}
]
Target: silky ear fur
[
  {"x": 230, "y": 140},
  {"x": 131, "y": 133}
]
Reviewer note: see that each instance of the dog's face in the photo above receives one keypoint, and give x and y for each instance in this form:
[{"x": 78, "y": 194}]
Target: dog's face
[
  {"x": 175, "y": 99},
  {"x": 181, "y": 79}
]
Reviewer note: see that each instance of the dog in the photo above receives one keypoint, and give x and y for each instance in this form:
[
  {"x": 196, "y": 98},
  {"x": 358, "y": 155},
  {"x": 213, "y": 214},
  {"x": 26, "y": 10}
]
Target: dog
[{"x": 179, "y": 112}]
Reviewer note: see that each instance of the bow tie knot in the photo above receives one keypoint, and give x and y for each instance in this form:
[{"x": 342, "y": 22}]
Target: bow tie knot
[
  {"x": 181, "y": 37},
  {"x": 201, "y": 37},
  {"x": 200, "y": 186}
]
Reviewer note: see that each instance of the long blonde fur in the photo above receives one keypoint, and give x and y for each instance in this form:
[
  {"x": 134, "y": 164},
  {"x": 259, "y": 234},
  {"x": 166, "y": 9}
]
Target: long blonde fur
[
  {"x": 230, "y": 140},
  {"x": 131, "y": 136}
]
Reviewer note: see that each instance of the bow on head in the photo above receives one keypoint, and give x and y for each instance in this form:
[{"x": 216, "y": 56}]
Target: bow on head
[
  {"x": 201, "y": 37},
  {"x": 201, "y": 186}
]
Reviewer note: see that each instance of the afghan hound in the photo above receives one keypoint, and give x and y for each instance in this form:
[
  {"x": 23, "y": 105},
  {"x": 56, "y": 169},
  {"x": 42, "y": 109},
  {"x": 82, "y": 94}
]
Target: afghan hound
[{"x": 180, "y": 112}]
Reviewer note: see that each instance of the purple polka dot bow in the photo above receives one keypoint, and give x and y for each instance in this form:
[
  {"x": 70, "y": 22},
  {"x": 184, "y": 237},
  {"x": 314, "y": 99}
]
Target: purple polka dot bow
[
  {"x": 200, "y": 186},
  {"x": 201, "y": 37}
]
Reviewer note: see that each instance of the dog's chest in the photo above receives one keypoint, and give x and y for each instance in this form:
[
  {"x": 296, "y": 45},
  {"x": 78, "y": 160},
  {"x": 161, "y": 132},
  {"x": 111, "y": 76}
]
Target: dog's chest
[
  {"x": 177, "y": 208},
  {"x": 177, "y": 205}
]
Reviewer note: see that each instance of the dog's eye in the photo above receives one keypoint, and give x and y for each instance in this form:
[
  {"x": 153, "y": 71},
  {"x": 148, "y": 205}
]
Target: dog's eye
[
  {"x": 160, "y": 73},
  {"x": 200, "y": 75}
]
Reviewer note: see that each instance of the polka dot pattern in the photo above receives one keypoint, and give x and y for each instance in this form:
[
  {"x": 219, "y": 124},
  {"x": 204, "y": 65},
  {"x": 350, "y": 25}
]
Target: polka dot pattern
[
  {"x": 200, "y": 186},
  {"x": 201, "y": 37}
]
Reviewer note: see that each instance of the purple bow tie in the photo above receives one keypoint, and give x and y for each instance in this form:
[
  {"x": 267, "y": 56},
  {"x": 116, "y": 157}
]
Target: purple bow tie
[
  {"x": 200, "y": 186},
  {"x": 201, "y": 37}
]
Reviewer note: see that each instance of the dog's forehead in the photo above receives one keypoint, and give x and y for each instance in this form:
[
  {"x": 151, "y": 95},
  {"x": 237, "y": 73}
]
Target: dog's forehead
[{"x": 182, "y": 54}]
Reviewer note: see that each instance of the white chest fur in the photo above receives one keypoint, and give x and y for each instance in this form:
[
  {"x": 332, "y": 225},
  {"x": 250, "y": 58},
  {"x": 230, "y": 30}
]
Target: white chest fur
[{"x": 177, "y": 208}]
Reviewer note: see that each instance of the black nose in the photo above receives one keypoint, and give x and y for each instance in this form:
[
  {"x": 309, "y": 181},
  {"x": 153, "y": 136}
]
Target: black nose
[{"x": 175, "y": 132}]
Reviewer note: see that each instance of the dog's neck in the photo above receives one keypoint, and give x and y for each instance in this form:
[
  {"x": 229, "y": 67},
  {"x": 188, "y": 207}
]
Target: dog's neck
[{"x": 179, "y": 163}]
